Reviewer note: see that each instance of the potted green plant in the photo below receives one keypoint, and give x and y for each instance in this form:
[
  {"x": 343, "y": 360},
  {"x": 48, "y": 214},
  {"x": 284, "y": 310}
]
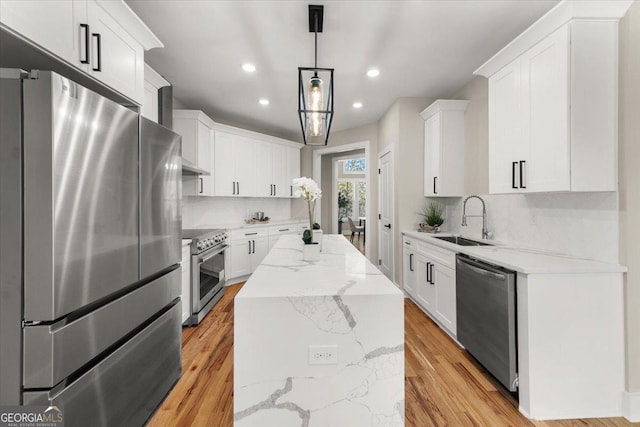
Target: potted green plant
[
  {"x": 344, "y": 202},
  {"x": 309, "y": 190},
  {"x": 432, "y": 215}
]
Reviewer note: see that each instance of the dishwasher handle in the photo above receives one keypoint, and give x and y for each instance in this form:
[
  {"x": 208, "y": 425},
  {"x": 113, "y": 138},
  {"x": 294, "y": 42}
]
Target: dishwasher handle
[{"x": 481, "y": 268}]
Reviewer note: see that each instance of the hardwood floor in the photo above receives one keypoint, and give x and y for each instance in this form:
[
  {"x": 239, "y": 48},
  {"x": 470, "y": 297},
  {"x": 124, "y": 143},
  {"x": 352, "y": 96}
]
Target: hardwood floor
[
  {"x": 357, "y": 242},
  {"x": 444, "y": 386}
]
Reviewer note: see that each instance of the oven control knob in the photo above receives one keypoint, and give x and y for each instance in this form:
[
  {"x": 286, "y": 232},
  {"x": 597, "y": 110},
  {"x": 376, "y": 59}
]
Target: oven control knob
[{"x": 200, "y": 245}]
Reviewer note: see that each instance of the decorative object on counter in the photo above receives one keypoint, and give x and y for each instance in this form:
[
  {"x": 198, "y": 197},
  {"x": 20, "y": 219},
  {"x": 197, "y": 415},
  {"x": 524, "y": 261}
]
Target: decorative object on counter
[
  {"x": 315, "y": 91},
  {"x": 257, "y": 221},
  {"x": 432, "y": 216},
  {"x": 317, "y": 234},
  {"x": 258, "y": 216},
  {"x": 309, "y": 190}
]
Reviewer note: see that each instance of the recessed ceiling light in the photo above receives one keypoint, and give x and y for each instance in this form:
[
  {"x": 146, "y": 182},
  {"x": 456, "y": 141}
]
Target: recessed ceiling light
[
  {"x": 357, "y": 105},
  {"x": 249, "y": 68},
  {"x": 373, "y": 72},
  {"x": 264, "y": 101}
]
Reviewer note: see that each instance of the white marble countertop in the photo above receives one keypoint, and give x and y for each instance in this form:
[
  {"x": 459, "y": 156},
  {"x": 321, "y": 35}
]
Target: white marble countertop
[
  {"x": 521, "y": 259},
  {"x": 341, "y": 270},
  {"x": 242, "y": 224}
]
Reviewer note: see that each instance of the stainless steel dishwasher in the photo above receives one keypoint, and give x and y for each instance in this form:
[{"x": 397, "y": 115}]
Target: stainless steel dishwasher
[{"x": 486, "y": 316}]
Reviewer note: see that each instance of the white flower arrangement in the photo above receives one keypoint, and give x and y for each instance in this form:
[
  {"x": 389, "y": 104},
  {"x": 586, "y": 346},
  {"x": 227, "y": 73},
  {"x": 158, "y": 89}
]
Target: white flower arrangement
[{"x": 309, "y": 190}]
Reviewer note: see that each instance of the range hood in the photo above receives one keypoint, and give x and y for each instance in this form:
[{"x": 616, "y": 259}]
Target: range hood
[{"x": 189, "y": 168}]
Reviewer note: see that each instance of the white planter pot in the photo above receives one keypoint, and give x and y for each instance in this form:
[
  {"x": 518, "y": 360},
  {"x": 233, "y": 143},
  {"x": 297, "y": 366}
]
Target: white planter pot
[
  {"x": 311, "y": 252},
  {"x": 317, "y": 237}
]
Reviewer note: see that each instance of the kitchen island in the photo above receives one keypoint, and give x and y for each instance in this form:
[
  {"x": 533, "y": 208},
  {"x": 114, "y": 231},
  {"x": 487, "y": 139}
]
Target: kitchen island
[{"x": 318, "y": 343}]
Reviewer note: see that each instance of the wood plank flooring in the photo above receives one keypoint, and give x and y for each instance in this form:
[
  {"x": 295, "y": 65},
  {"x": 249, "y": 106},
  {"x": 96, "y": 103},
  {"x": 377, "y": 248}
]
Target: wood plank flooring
[{"x": 444, "y": 386}]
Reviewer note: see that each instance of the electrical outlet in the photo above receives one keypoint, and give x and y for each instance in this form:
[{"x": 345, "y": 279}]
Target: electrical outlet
[{"x": 323, "y": 355}]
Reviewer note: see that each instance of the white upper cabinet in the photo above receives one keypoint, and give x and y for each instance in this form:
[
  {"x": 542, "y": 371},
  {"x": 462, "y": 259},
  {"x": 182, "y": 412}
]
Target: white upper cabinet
[
  {"x": 196, "y": 129},
  {"x": 102, "y": 38},
  {"x": 152, "y": 83},
  {"x": 248, "y": 164},
  {"x": 505, "y": 129},
  {"x": 293, "y": 168},
  {"x": 61, "y": 27},
  {"x": 444, "y": 148},
  {"x": 235, "y": 165},
  {"x": 553, "y": 98}
]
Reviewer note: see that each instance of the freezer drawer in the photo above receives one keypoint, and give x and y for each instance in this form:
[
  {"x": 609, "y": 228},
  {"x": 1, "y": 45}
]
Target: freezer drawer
[
  {"x": 80, "y": 197},
  {"x": 53, "y": 352},
  {"x": 160, "y": 188},
  {"x": 125, "y": 388}
]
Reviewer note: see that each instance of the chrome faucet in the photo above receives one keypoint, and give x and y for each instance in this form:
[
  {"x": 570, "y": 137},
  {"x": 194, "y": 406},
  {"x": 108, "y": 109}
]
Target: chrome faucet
[{"x": 485, "y": 231}]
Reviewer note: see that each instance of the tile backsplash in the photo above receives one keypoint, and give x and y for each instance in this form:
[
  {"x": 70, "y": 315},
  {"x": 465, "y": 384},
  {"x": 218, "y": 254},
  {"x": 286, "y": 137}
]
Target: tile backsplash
[
  {"x": 206, "y": 211},
  {"x": 584, "y": 225}
]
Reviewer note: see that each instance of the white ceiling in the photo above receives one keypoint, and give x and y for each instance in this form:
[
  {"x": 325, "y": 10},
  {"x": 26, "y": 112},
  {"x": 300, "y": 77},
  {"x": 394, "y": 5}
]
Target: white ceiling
[{"x": 422, "y": 48}]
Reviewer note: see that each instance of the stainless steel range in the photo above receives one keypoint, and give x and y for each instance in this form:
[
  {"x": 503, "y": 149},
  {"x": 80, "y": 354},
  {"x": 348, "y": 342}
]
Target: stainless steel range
[{"x": 207, "y": 270}]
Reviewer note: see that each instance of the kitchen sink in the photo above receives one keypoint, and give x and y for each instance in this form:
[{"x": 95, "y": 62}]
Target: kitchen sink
[{"x": 462, "y": 241}]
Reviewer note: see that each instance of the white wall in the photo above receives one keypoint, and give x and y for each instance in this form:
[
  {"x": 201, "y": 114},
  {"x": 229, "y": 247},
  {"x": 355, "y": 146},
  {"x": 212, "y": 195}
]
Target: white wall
[
  {"x": 629, "y": 174},
  {"x": 222, "y": 211}
]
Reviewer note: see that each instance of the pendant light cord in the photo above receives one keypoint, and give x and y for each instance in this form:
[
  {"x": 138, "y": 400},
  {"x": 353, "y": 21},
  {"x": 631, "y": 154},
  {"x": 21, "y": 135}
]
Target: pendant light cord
[{"x": 316, "y": 36}]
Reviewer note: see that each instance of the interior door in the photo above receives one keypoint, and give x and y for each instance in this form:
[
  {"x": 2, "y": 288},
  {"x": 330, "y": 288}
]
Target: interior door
[{"x": 385, "y": 223}]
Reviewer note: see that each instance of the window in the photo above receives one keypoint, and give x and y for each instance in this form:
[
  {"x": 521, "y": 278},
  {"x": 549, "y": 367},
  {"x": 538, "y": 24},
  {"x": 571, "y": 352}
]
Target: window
[
  {"x": 352, "y": 198},
  {"x": 354, "y": 166}
]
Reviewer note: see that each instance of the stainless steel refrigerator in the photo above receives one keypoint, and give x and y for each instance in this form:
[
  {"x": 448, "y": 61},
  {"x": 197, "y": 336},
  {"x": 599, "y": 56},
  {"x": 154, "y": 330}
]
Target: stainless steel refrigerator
[{"x": 89, "y": 251}]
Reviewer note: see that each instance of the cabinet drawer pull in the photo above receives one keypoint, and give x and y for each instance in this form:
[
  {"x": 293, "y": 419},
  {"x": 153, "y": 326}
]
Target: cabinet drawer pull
[
  {"x": 238, "y": 185},
  {"x": 201, "y": 185},
  {"x": 284, "y": 229},
  {"x": 291, "y": 191},
  {"x": 250, "y": 234},
  {"x": 522, "y": 163},
  {"x": 85, "y": 27},
  {"x": 249, "y": 242},
  {"x": 99, "y": 51},
  {"x": 431, "y": 275},
  {"x": 410, "y": 262},
  {"x": 513, "y": 174},
  {"x": 254, "y": 247},
  {"x": 428, "y": 277},
  {"x": 434, "y": 185}
]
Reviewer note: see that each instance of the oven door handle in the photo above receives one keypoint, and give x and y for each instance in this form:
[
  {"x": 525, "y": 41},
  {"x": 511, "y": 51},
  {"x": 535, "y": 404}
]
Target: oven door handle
[{"x": 208, "y": 257}]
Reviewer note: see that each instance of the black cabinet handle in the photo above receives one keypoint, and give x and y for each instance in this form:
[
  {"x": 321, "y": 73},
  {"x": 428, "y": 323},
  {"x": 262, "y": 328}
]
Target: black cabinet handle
[
  {"x": 254, "y": 247},
  {"x": 388, "y": 226},
  {"x": 85, "y": 27},
  {"x": 428, "y": 277},
  {"x": 513, "y": 174},
  {"x": 275, "y": 189},
  {"x": 201, "y": 185},
  {"x": 284, "y": 229},
  {"x": 291, "y": 191},
  {"x": 434, "y": 185},
  {"x": 250, "y": 234},
  {"x": 249, "y": 242},
  {"x": 238, "y": 184},
  {"x": 99, "y": 50},
  {"x": 410, "y": 262},
  {"x": 431, "y": 274},
  {"x": 522, "y": 162}
]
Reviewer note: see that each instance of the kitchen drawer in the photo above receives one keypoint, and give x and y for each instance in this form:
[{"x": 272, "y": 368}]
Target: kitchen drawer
[
  {"x": 408, "y": 242},
  {"x": 249, "y": 233},
  {"x": 437, "y": 254},
  {"x": 279, "y": 230}
]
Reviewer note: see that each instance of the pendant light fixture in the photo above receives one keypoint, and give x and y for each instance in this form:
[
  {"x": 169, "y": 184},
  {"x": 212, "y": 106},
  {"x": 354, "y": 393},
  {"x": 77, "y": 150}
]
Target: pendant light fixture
[{"x": 315, "y": 91}]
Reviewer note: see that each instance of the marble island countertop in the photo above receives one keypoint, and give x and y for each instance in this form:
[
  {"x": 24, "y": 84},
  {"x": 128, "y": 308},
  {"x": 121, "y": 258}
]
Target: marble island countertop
[
  {"x": 521, "y": 259},
  {"x": 318, "y": 343},
  {"x": 341, "y": 270}
]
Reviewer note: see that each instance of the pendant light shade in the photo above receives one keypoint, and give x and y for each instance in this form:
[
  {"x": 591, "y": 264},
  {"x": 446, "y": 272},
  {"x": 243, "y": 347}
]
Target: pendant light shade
[{"x": 315, "y": 91}]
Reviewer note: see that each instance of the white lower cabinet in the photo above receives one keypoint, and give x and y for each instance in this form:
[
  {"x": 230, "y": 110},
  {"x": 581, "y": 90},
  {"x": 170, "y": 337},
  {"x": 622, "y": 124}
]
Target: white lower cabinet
[
  {"x": 248, "y": 248},
  {"x": 281, "y": 230},
  {"x": 429, "y": 278},
  {"x": 409, "y": 267},
  {"x": 185, "y": 294}
]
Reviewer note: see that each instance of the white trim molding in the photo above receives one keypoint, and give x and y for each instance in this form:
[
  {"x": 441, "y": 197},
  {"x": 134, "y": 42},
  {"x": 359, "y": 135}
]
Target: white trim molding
[
  {"x": 631, "y": 406},
  {"x": 563, "y": 12}
]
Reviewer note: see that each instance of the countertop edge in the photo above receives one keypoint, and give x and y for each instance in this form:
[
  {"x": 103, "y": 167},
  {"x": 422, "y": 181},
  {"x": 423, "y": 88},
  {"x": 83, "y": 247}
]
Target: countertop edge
[{"x": 589, "y": 266}]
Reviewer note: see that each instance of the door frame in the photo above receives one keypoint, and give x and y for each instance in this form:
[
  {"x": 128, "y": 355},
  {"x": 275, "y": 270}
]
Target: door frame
[
  {"x": 317, "y": 176},
  {"x": 384, "y": 152},
  {"x": 334, "y": 188}
]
